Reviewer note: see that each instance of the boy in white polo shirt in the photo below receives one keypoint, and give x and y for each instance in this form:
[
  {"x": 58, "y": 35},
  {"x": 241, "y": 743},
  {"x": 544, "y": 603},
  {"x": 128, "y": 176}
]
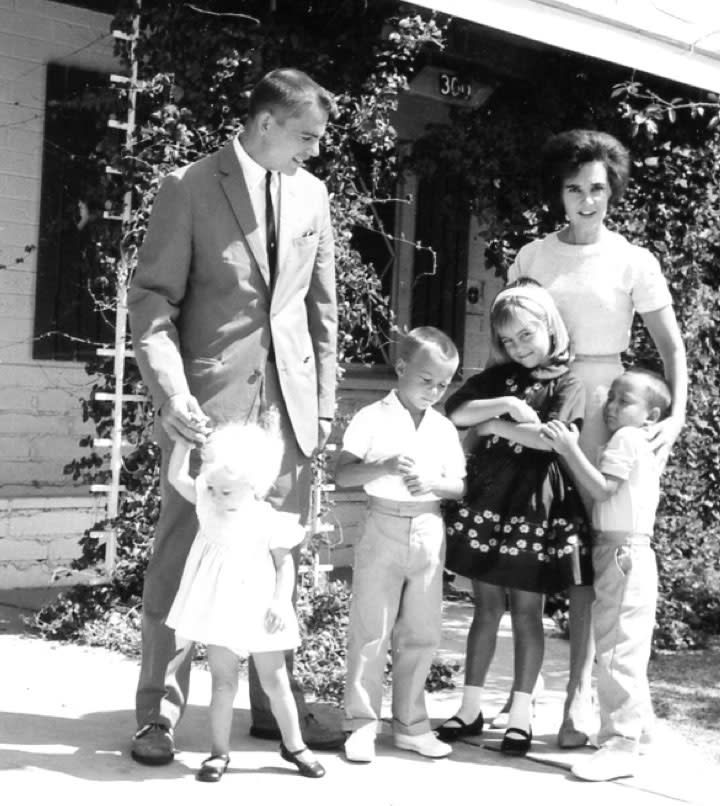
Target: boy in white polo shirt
[
  {"x": 626, "y": 490},
  {"x": 408, "y": 457}
]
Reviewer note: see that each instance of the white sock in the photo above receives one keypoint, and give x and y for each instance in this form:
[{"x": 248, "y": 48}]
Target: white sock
[
  {"x": 471, "y": 705},
  {"x": 519, "y": 716}
]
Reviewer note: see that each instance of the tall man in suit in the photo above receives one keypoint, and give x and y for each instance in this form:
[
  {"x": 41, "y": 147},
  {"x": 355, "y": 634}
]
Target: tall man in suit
[{"x": 232, "y": 310}]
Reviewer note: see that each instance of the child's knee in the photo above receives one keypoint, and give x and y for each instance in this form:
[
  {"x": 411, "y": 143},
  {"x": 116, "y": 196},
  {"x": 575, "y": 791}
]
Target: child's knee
[
  {"x": 225, "y": 683},
  {"x": 272, "y": 674}
]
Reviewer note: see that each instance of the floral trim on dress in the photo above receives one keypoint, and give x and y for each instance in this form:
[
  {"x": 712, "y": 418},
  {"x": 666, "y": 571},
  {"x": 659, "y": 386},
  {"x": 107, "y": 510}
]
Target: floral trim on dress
[{"x": 477, "y": 542}]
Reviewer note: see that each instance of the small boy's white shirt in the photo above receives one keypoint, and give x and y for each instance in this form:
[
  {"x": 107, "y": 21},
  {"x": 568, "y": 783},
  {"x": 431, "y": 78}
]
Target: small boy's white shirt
[
  {"x": 628, "y": 456},
  {"x": 385, "y": 429}
]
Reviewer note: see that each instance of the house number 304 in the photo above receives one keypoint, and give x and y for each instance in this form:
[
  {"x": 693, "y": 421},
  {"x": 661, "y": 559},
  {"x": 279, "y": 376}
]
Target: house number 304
[{"x": 455, "y": 88}]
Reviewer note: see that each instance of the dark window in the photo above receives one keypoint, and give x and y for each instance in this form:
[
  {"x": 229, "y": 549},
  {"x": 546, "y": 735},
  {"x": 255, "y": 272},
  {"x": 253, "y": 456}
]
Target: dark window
[
  {"x": 67, "y": 324},
  {"x": 439, "y": 284}
]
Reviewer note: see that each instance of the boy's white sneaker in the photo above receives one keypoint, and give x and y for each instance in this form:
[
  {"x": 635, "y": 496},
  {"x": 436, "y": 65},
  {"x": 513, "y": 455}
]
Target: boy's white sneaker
[
  {"x": 360, "y": 744},
  {"x": 606, "y": 764},
  {"x": 426, "y": 744}
]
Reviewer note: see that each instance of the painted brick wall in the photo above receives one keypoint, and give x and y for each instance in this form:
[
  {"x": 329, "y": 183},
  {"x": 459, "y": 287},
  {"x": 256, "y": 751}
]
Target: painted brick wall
[
  {"x": 41, "y": 515},
  {"x": 40, "y": 420},
  {"x": 39, "y": 537}
]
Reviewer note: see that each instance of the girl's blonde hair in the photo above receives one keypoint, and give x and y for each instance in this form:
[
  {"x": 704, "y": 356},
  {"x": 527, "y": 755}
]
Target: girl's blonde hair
[
  {"x": 529, "y": 296},
  {"x": 248, "y": 451}
]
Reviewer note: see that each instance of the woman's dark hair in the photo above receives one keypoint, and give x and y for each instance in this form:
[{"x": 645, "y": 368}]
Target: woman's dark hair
[{"x": 564, "y": 153}]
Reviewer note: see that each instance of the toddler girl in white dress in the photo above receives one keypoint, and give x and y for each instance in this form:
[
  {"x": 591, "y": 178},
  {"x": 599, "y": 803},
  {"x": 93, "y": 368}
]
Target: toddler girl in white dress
[{"x": 235, "y": 594}]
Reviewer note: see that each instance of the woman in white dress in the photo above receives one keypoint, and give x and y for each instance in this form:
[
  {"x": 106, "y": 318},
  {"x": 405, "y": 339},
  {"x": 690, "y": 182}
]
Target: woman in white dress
[{"x": 599, "y": 280}]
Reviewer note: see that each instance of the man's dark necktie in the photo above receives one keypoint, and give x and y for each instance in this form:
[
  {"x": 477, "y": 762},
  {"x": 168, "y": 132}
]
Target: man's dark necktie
[{"x": 270, "y": 229}]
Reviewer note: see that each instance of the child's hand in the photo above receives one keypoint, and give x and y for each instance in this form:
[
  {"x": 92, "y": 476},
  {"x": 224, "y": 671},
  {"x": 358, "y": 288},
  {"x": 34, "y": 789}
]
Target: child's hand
[
  {"x": 274, "y": 619},
  {"x": 400, "y": 464},
  {"x": 562, "y": 439},
  {"x": 419, "y": 483},
  {"x": 520, "y": 411}
]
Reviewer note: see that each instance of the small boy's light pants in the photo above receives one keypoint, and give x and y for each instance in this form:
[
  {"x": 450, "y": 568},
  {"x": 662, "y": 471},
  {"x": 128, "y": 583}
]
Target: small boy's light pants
[
  {"x": 397, "y": 597},
  {"x": 626, "y": 582}
]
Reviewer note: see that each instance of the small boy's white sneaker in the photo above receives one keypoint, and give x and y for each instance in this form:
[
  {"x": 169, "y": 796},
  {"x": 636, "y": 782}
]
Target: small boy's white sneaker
[
  {"x": 606, "y": 764},
  {"x": 426, "y": 744},
  {"x": 360, "y": 744}
]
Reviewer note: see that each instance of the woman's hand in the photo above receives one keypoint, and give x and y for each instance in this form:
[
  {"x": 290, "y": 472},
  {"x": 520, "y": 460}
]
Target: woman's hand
[
  {"x": 662, "y": 436},
  {"x": 520, "y": 411}
]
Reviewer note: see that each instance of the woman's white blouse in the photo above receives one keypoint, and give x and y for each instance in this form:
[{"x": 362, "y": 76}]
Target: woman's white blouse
[{"x": 597, "y": 287}]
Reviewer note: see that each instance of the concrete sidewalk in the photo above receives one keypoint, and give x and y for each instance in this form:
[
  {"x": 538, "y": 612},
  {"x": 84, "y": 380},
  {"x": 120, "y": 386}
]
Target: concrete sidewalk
[{"x": 66, "y": 718}]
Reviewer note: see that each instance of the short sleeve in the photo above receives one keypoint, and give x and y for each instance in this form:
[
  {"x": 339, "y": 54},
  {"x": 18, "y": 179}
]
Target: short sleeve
[
  {"x": 568, "y": 401},
  {"x": 649, "y": 291},
  {"x": 454, "y": 461},
  {"x": 479, "y": 387},
  {"x": 621, "y": 453},
  {"x": 286, "y": 531},
  {"x": 524, "y": 259},
  {"x": 357, "y": 434}
]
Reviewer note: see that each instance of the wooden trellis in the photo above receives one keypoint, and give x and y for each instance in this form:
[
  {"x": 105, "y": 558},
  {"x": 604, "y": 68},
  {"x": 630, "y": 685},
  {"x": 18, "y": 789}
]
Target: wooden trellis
[{"x": 120, "y": 351}]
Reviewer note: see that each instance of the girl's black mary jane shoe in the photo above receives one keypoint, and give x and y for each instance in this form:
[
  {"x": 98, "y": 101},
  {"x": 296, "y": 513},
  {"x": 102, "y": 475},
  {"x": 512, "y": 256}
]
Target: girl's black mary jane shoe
[
  {"x": 312, "y": 769},
  {"x": 213, "y": 768},
  {"x": 516, "y": 745},
  {"x": 455, "y": 728}
]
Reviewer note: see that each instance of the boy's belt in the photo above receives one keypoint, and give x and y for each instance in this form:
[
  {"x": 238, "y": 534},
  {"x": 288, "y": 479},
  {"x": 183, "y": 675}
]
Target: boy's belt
[{"x": 404, "y": 509}]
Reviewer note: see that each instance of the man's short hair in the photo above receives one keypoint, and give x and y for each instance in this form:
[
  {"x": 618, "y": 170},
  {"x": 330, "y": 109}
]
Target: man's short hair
[
  {"x": 418, "y": 337},
  {"x": 289, "y": 91}
]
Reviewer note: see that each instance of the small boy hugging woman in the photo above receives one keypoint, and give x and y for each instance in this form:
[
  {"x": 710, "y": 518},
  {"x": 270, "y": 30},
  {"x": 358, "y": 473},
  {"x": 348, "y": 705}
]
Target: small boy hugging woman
[{"x": 625, "y": 488}]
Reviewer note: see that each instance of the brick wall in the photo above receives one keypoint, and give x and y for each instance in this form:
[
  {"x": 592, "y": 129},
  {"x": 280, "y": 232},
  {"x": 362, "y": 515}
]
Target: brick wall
[
  {"x": 39, "y": 537},
  {"x": 40, "y": 422}
]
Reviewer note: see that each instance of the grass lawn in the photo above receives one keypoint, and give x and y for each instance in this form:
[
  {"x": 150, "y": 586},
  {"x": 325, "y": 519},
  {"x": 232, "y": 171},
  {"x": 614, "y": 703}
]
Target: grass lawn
[{"x": 685, "y": 690}]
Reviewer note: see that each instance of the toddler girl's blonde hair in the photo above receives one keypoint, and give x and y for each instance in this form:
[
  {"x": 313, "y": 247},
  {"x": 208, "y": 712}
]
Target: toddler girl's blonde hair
[
  {"x": 251, "y": 452},
  {"x": 528, "y": 296}
]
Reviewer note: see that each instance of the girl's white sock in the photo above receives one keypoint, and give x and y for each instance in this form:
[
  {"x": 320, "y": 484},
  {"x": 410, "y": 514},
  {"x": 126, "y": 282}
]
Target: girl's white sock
[
  {"x": 519, "y": 716},
  {"x": 472, "y": 703}
]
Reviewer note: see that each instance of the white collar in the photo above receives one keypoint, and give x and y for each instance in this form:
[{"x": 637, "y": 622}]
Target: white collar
[
  {"x": 392, "y": 399},
  {"x": 253, "y": 171}
]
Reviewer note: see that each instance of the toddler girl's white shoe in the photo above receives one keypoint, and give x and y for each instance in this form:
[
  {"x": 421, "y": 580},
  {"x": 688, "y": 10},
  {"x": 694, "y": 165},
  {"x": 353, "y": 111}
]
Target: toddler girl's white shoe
[
  {"x": 606, "y": 764},
  {"x": 360, "y": 744},
  {"x": 426, "y": 744}
]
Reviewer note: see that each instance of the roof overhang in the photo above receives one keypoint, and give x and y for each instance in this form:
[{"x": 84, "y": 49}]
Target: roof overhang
[{"x": 675, "y": 39}]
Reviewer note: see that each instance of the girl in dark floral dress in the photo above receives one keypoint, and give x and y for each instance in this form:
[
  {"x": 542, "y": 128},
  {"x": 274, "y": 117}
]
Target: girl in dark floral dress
[{"x": 521, "y": 528}]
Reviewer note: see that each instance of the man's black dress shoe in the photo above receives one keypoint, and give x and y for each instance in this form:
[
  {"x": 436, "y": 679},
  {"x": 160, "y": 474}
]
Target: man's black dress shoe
[
  {"x": 313, "y": 769},
  {"x": 212, "y": 772},
  {"x": 153, "y": 744},
  {"x": 449, "y": 732}
]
